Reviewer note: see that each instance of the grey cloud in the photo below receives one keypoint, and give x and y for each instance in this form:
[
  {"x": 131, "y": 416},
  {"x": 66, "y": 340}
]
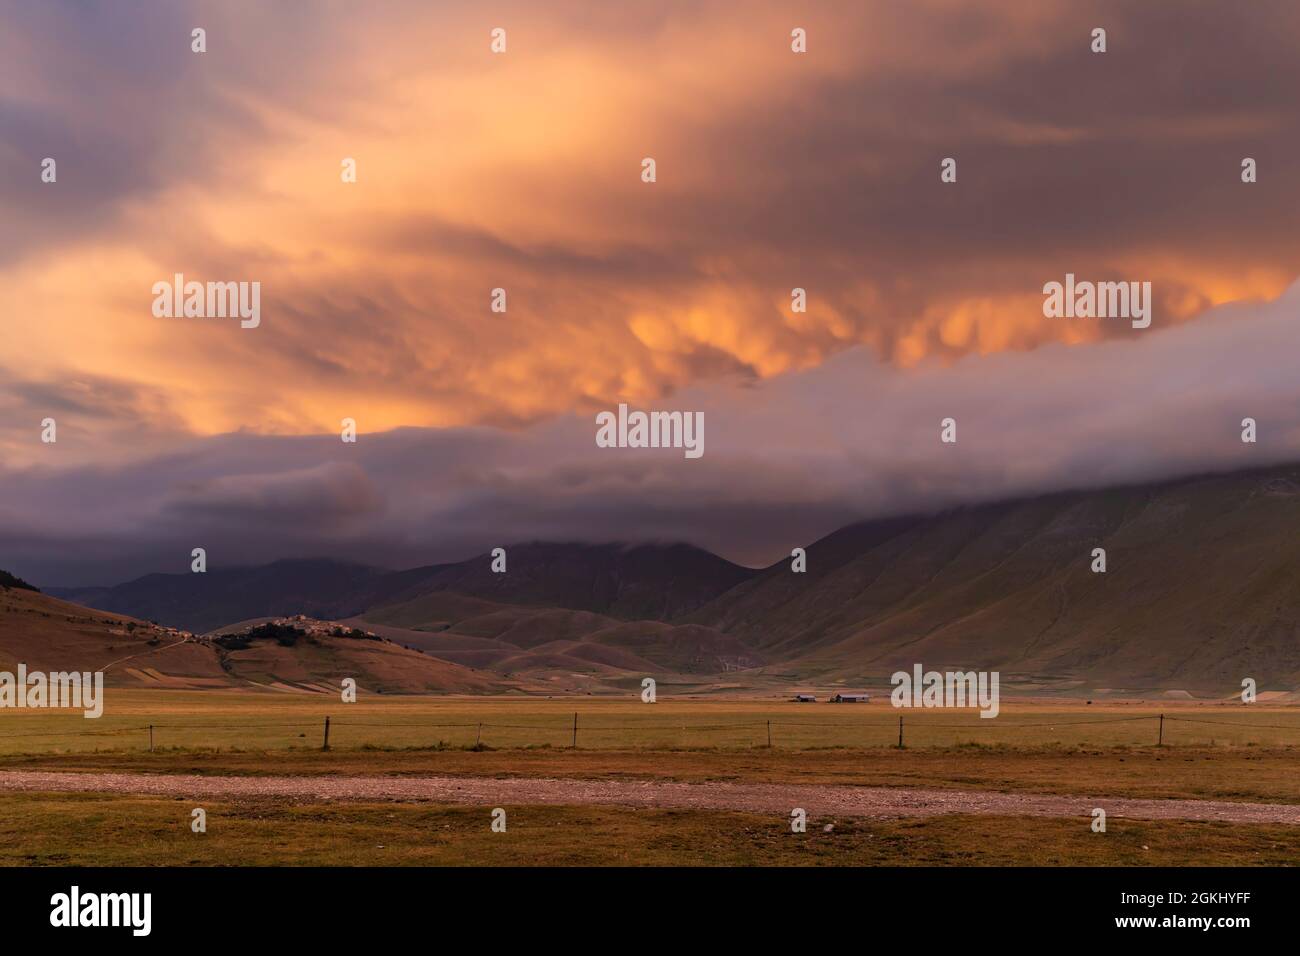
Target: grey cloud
[
  {"x": 786, "y": 461},
  {"x": 324, "y": 495},
  {"x": 113, "y": 93}
]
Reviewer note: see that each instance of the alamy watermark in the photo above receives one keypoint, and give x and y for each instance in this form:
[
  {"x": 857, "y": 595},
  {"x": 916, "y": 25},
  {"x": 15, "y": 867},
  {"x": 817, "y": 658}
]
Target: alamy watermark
[
  {"x": 211, "y": 300},
  {"x": 950, "y": 689},
  {"x": 75, "y": 908},
  {"x": 37, "y": 689},
  {"x": 638, "y": 429},
  {"x": 1098, "y": 300}
]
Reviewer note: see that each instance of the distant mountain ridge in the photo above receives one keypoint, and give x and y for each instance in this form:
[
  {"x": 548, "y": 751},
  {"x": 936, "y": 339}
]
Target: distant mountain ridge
[
  {"x": 628, "y": 582},
  {"x": 1201, "y": 589},
  {"x": 202, "y": 602}
]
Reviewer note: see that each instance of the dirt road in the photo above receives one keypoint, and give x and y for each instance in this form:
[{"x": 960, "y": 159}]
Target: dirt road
[{"x": 817, "y": 800}]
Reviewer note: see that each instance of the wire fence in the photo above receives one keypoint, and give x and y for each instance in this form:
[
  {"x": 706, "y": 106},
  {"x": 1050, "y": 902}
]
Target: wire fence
[{"x": 573, "y": 732}]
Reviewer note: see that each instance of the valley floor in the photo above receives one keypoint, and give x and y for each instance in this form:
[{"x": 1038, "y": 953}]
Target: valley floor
[
  {"x": 686, "y": 782},
  {"x": 1238, "y": 774}
]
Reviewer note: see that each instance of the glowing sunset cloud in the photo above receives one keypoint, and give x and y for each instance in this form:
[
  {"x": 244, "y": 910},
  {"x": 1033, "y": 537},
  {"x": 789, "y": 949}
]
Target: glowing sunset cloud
[{"x": 521, "y": 171}]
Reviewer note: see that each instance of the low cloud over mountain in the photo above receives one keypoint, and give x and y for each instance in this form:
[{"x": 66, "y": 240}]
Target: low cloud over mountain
[{"x": 787, "y": 460}]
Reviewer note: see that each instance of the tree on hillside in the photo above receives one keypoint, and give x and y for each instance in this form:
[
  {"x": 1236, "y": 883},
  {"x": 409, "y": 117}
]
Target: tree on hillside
[{"x": 7, "y": 581}]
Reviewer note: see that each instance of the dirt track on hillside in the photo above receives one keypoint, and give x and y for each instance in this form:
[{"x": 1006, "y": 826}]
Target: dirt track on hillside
[{"x": 817, "y": 800}]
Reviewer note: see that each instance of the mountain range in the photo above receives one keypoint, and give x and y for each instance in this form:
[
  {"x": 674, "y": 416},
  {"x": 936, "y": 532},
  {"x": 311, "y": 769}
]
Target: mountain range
[{"x": 1201, "y": 589}]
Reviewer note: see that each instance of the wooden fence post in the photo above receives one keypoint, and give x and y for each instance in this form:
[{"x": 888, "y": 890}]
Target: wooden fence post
[
  {"x": 769, "y": 735},
  {"x": 151, "y": 738},
  {"x": 575, "y": 730},
  {"x": 326, "y": 745},
  {"x": 478, "y": 741},
  {"x": 900, "y": 731},
  {"x": 1160, "y": 741}
]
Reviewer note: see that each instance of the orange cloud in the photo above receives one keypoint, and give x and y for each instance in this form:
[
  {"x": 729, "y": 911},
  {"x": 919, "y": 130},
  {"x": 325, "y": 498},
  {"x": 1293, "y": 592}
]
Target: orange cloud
[{"x": 521, "y": 172}]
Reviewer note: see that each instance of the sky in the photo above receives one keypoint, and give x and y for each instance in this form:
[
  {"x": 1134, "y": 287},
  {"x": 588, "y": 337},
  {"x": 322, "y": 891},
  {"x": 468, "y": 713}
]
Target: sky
[{"x": 522, "y": 170}]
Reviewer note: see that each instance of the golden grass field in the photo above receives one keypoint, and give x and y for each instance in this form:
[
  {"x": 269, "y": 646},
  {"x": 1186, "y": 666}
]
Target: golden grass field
[
  {"x": 252, "y": 720},
  {"x": 1211, "y": 751}
]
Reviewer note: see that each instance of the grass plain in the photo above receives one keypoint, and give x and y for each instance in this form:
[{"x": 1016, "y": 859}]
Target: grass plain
[
  {"x": 1209, "y": 751},
  {"x": 271, "y": 721}
]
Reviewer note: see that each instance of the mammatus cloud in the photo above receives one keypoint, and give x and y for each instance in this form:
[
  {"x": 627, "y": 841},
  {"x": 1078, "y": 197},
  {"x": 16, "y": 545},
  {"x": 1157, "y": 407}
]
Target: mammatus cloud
[
  {"x": 521, "y": 172},
  {"x": 786, "y": 460}
]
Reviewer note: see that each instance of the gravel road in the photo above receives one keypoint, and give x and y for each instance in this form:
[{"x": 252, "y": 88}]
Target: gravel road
[{"x": 817, "y": 800}]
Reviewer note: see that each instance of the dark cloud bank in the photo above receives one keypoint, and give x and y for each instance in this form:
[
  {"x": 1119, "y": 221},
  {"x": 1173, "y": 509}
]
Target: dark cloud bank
[{"x": 785, "y": 461}]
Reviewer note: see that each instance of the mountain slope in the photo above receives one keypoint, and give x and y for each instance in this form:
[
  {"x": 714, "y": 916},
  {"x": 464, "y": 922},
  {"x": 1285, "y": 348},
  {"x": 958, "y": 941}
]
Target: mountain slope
[
  {"x": 1202, "y": 589},
  {"x": 641, "y": 582},
  {"x": 49, "y": 635},
  {"x": 515, "y": 639}
]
